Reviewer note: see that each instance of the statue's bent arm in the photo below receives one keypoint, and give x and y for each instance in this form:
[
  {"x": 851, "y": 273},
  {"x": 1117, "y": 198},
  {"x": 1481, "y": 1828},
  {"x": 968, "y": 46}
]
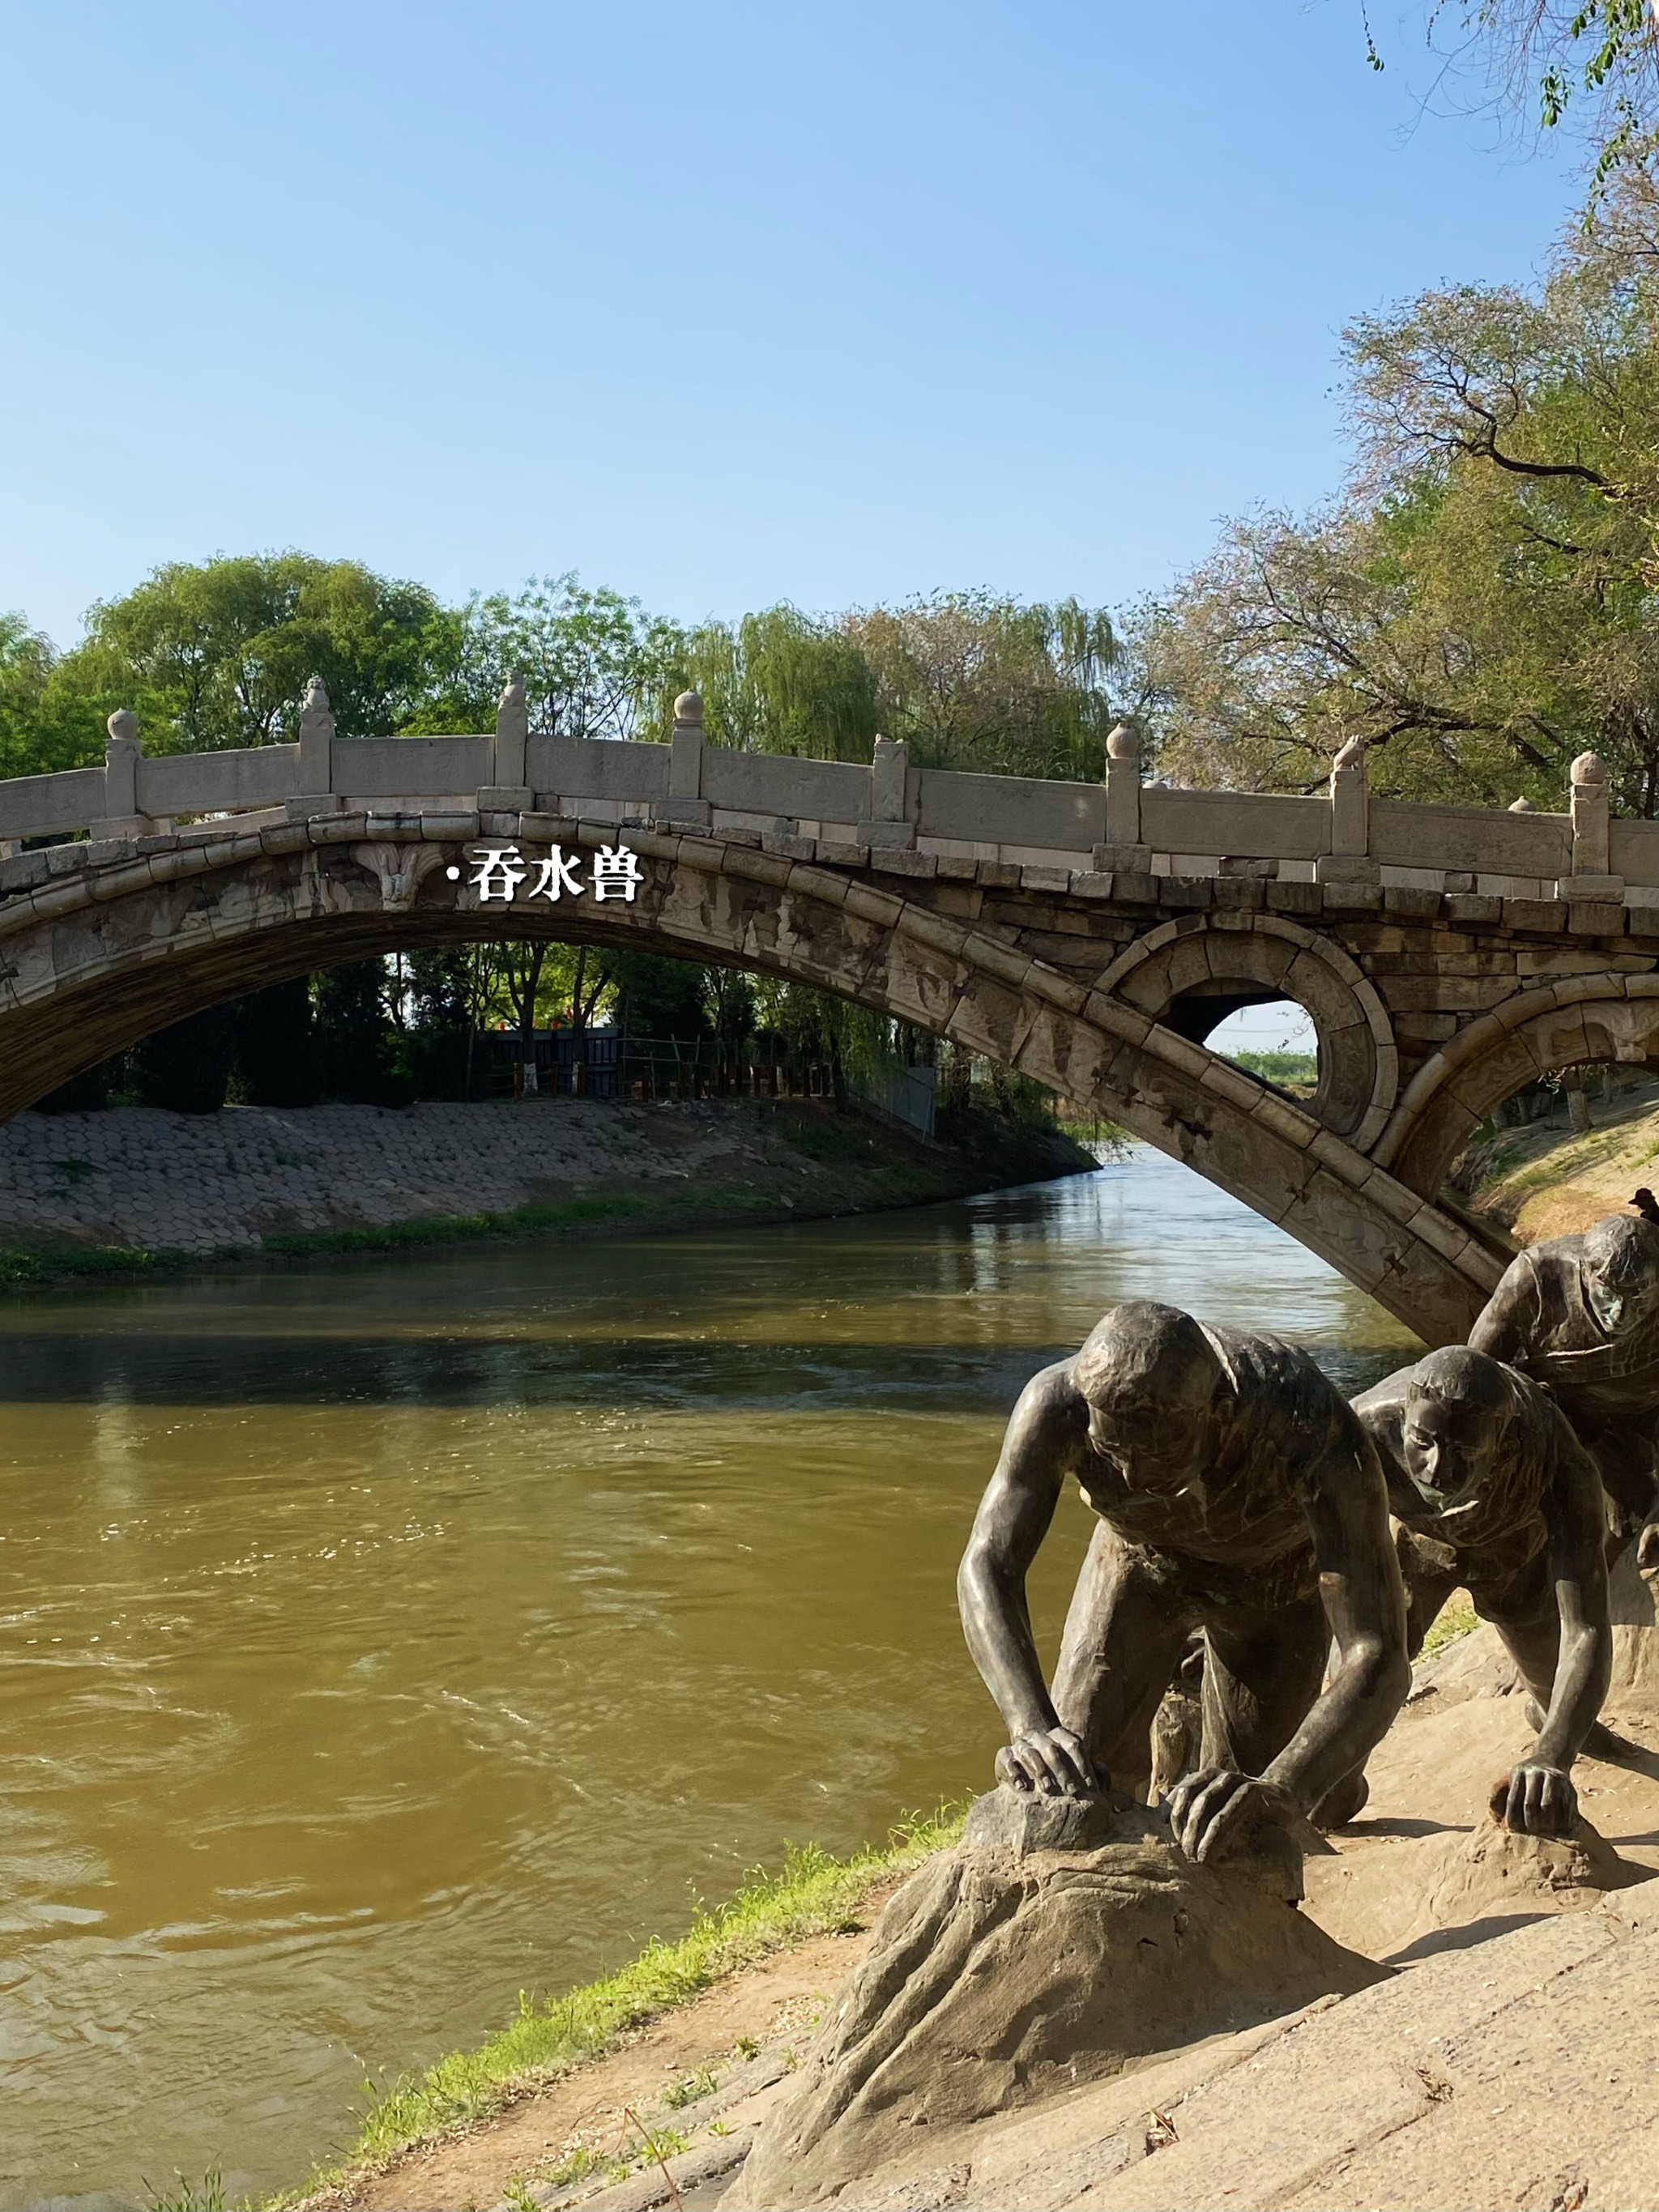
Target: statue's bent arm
[
  {"x": 1506, "y": 1327},
  {"x": 1044, "y": 1439},
  {"x": 1583, "y": 1666},
  {"x": 1364, "y": 1601}
]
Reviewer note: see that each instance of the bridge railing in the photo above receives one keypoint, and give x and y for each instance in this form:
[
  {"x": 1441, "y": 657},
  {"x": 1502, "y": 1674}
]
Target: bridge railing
[{"x": 839, "y": 808}]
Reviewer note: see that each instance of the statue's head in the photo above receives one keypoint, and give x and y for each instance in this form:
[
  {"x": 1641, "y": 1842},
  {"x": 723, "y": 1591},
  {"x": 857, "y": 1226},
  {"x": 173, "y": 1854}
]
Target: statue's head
[
  {"x": 1459, "y": 1406},
  {"x": 1621, "y": 1272},
  {"x": 1149, "y": 1377}
]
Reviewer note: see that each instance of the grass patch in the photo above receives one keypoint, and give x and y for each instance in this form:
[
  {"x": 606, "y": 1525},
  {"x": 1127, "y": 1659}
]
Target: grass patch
[
  {"x": 1456, "y": 1619},
  {"x": 458, "y": 1228},
  {"x": 642, "y": 1208},
  {"x": 74, "y": 1172},
  {"x": 1299, "y": 1068},
  {"x": 186, "y": 2197},
  {"x": 678, "y": 2094},
  {"x": 814, "y": 1892},
  {"x": 825, "y": 1137},
  {"x": 36, "y": 1267}
]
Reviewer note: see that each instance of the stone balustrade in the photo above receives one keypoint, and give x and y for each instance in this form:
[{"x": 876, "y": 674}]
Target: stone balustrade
[{"x": 830, "y": 809}]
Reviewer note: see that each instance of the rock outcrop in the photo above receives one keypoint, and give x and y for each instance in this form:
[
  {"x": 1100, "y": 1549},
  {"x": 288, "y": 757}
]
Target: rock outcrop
[{"x": 1062, "y": 1941}]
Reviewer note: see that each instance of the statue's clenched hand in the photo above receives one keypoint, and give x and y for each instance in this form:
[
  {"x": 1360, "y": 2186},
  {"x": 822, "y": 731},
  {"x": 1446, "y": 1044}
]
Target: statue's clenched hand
[
  {"x": 1536, "y": 1800},
  {"x": 1216, "y": 1811},
  {"x": 1051, "y": 1761}
]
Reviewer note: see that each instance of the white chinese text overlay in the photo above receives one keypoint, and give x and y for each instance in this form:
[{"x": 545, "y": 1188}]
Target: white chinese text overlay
[{"x": 502, "y": 873}]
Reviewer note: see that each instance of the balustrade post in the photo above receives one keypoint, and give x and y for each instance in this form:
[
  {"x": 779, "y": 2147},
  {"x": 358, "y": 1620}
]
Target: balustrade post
[
  {"x": 122, "y": 754},
  {"x": 1592, "y": 834},
  {"x": 1591, "y": 821},
  {"x": 316, "y": 761},
  {"x": 510, "y": 793},
  {"x": 1123, "y": 851},
  {"x": 123, "y": 817},
  {"x": 685, "y": 801},
  {"x": 1349, "y": 858},
  {"x": 891, "y": 826}
]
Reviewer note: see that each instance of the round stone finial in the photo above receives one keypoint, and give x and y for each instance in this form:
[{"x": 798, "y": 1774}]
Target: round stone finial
[
  {"x": 1123, "y": 743},
  {"x": 687, "y": 707},
  {"x": 315, "y": 701},
  {"x": 123, "y": 723},
  {"x": 1522, "y": 806},
  {"x": 1589, "y": 768}
]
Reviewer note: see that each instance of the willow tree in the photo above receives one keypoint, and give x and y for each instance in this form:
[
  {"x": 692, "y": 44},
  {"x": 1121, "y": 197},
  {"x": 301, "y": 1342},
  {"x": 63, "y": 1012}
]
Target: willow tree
[
  {"x": 976, "y": 681},
  {"x": 30, "y": 743},
  {"x": 785, "y": 682}
]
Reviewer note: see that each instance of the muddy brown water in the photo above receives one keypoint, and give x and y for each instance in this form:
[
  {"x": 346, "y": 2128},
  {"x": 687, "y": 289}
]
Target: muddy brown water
[{"x": 376, "y": 1643}]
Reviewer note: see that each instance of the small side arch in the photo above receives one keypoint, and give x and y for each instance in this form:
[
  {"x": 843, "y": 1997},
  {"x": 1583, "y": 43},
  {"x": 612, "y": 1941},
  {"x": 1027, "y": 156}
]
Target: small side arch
[
  {"x": 1219, "y": 962},
  {"x": 1539, "y": 1032}
]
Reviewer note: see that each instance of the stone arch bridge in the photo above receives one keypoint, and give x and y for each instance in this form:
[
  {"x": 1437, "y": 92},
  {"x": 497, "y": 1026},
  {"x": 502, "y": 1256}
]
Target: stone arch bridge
[{"x": 1090, "y": 935}]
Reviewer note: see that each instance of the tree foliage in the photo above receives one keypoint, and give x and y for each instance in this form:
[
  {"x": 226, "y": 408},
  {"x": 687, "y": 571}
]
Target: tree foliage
[
  {"x": 594, "y": 664},
  {"x": 27, "y": 661},
  {"x": 1478, "y": 606},
  {"x": 276, "y": 1045},
  {"x": 975, "y": 681},
  {"x": 186, "y": 1068},
  {"x": 217, "y": 653},
  {"x": 1554, "y": 60},
  {"x": 784, "y": 682},
  {"x": 353, "y": 1034},
  {"x": 969, "y": 679}
]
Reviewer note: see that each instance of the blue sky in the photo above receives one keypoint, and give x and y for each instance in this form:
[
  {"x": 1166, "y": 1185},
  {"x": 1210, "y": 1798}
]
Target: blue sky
[{"x": 719, "y": 306}]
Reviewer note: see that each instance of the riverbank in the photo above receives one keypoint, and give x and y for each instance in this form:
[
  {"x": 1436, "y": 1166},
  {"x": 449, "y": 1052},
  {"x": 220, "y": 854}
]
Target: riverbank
[
  {"x": 1547, "y": 1179},
  {"x": 132, "y": 1191},
  {"x": 545, "y": 2094},
  {"x": 1481, "y": 1974}
]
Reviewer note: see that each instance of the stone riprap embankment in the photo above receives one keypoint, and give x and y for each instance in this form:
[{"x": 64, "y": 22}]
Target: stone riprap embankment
[{"x": 255, "y": 1179}]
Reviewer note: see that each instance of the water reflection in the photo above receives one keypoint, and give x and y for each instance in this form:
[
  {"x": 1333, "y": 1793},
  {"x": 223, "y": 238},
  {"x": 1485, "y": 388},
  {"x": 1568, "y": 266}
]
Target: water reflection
[{"x": 375, "y": 1643}]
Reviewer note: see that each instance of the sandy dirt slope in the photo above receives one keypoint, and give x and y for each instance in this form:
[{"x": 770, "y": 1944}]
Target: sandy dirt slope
[{"x": 1543, "y": 1181}]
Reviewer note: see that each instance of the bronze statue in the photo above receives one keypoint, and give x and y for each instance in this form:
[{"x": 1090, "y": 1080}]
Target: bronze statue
[
  {"x": 1496, "y": 1493},
  {"x": 1580, "y": 1314},
  {"x": 1238, "y": 1493}
]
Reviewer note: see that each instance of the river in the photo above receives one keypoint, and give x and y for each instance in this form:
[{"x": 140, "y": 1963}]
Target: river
[{"x": 378, "y": 1642}]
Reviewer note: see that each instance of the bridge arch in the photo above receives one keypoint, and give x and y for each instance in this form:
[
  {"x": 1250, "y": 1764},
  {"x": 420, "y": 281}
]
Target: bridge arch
[
  {"x": 96, "y": 958},
  {"x": 1580, "y": 1020},
  {"x": 1216, "y": 963}
]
